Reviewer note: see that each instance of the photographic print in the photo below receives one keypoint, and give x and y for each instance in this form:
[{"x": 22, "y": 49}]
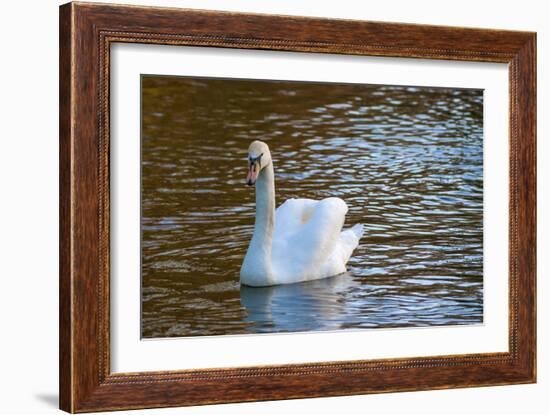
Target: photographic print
[{"x": 274, "y": 206}]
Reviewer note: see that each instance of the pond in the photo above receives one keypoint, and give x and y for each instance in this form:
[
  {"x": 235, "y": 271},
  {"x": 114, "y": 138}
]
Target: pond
[{"x": 408, "y": 161}]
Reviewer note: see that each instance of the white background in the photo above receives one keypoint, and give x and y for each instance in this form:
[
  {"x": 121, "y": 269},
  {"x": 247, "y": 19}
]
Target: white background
[
  {"x": 129, "y": 354},
  {"x": 29, "y": 208}
]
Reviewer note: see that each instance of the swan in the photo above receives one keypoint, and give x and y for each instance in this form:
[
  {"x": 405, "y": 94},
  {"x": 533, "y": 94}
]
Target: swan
[{"x": 300, "y": 241}]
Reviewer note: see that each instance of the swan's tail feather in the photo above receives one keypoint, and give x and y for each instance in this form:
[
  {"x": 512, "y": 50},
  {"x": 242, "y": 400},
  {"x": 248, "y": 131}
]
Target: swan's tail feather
[
  {"x": 358, "y": 230},
  {"x": 350, "y": 239}
]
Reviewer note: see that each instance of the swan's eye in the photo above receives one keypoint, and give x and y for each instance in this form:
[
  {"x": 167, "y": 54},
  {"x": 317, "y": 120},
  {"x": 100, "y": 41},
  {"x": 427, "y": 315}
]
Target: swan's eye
[{"x": 253, "y": 160}]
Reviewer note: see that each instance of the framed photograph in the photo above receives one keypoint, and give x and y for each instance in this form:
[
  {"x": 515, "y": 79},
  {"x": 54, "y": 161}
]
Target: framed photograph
[{"x": 258, "y": 207}]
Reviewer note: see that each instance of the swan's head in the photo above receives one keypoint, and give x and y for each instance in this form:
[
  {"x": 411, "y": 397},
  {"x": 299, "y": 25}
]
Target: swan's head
[{"x": 258, "y": 158}]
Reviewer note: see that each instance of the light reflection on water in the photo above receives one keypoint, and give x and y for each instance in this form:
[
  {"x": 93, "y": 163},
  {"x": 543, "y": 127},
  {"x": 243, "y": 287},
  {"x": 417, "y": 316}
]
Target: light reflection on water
[{"x": 407, "y": 161}]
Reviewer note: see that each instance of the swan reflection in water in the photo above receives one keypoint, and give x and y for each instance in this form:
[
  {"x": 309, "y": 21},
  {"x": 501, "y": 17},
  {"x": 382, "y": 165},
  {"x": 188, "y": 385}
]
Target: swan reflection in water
[{"x": 306, "y": 306}]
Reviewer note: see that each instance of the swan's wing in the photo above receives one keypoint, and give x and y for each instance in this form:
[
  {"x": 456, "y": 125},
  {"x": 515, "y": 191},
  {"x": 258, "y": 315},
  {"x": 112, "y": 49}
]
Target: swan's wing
[
  {"x": 305, "y": 245},
  {"x": 322, "y": 232},
  {"x": 291, "y": 216}
]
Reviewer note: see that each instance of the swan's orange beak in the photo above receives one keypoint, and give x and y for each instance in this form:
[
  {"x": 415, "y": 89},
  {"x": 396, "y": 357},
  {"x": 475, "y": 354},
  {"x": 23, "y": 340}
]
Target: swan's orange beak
[{"x": 253, "y": 171}]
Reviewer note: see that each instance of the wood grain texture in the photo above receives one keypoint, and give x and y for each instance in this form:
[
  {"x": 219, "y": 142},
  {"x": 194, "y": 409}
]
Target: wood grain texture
[
  {"x": 86, "y": 33},
  {"x": 65, "y": 247}
]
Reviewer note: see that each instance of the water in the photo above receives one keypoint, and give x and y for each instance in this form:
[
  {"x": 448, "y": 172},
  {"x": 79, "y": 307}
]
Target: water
[{"x": 407, "y": 161}]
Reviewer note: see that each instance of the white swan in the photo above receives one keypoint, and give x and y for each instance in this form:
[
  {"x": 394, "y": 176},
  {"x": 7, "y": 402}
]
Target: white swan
[{"x": 300, "y": 241}]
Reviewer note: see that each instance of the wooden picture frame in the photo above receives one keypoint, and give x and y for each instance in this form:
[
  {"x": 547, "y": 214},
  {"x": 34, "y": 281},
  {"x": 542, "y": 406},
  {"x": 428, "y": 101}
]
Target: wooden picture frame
[{"x": 86, "y": 33}]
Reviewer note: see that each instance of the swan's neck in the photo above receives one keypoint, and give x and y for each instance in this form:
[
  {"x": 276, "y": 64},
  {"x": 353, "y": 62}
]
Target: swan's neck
[
  {"x": 265, "y": 210},
  {"x": 265, "y": 206},
  {"x": 258, "y": 257}
]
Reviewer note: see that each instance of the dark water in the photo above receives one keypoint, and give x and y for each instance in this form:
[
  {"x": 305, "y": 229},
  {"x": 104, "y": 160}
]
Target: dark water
[{"x": 408, "y": 162}]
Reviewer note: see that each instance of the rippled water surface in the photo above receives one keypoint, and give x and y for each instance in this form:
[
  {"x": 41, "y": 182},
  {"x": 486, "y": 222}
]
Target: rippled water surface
[{"x": 408, "y": 162}]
